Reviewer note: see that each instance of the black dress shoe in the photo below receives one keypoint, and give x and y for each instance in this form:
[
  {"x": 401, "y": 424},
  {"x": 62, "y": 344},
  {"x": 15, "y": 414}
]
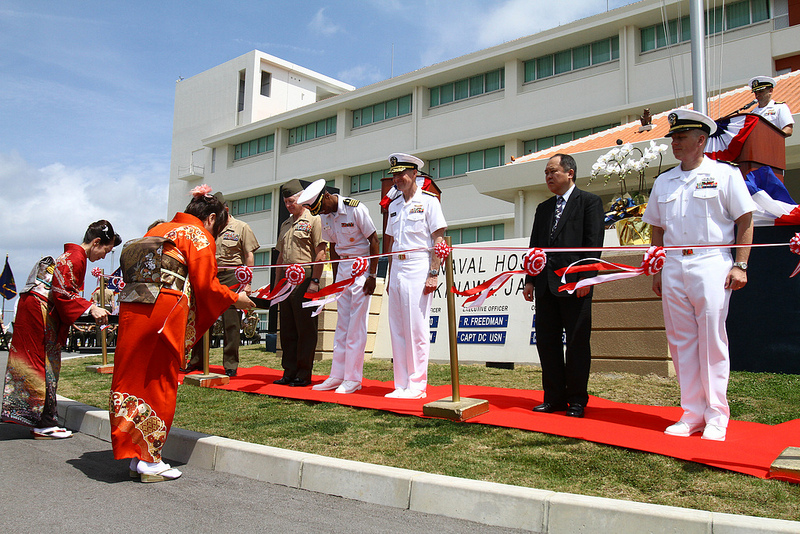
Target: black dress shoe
[
  {"x": 575, "y": 410},
  {"x": 191, "y": 368},
  {"x": 546, "y": 407},
  {"x": 299, "y": 383},
  {"x": 230, "y": 372},
  {"x": 283, "y": 381}
]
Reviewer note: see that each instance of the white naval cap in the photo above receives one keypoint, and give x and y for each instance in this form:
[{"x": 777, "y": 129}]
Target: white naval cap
[
  {"x": 312, "y": 196},
  {"x": 759, "y": 83},
  {"x": 401, "y": 162},
  {"x": 688, "y": 119}
]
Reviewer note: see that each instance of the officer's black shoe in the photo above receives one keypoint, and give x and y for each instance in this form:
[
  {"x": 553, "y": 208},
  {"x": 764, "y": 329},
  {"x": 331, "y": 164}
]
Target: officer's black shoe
[
  {"x": 575, "y": 410},
  {"x": 546, "y": 407}
]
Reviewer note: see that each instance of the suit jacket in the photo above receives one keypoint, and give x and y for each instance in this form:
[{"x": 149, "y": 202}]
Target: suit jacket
[{"x": 581, "y": 225}]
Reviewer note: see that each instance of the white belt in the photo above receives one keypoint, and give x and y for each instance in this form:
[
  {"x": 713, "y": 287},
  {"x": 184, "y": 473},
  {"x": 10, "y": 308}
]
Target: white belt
[{"x": 694, "y": 251}]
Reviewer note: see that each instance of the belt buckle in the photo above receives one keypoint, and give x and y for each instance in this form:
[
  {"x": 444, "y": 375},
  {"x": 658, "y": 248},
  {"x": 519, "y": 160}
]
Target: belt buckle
[
  {"x": 687, "y": 252},
  {"x": 401, "y": 256}
]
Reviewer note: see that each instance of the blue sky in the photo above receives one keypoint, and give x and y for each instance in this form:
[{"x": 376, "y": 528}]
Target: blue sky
[{"x": 87, "y": 88}]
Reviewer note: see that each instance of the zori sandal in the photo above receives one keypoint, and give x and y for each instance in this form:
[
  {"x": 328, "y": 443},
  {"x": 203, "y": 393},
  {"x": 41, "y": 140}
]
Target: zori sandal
[
  {"x": 52, "y": 432},
  {"x": 160, "y": 472}
]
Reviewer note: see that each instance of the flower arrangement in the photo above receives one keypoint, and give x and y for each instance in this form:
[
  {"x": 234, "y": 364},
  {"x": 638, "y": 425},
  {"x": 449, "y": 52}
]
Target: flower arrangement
[
  {"x": 620, "y": 162},
  {"x": 626, "y": 210}
]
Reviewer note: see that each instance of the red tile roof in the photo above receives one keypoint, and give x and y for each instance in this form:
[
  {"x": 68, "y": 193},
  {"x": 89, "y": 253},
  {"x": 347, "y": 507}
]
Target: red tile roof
[{"x": 787, "y": 90}]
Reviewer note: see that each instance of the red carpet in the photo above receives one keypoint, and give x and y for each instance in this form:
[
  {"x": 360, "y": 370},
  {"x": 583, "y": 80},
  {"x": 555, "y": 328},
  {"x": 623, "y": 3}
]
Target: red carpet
[{"x": 750, "y": 448}]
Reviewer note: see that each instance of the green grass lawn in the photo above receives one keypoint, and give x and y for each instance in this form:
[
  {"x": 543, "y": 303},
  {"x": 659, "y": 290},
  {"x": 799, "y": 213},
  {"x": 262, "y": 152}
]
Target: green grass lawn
[{"x": 483, "y": 452}]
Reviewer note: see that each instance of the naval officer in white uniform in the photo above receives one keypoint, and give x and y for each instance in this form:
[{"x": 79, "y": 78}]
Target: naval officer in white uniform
[
  {"x": 697, "y": 203},
  {"x": 778, "y": 113},
  {"x": 347, "y": 226},
  {"x": 415, "y": 221}
]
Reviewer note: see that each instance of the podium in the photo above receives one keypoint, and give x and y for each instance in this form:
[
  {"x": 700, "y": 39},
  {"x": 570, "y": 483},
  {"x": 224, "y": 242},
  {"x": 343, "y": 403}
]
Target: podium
[{"x": 766, "y": 145}]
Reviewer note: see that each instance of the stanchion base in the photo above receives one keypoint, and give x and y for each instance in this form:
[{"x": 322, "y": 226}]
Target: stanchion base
[
  {"x": 788, "y": 463},
  {"x": 106, "y": 369},
  {"x": 206, "y": 381},
  {"x": 457, "y": 411}
]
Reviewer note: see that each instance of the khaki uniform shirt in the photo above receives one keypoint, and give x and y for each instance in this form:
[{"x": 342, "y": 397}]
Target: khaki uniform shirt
[
  {"x": 298, "y": 239},
  {"x": 235, "y": 240}
]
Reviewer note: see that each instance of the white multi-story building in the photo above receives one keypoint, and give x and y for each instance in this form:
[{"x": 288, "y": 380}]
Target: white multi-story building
[{"x": 251, "y": 124}]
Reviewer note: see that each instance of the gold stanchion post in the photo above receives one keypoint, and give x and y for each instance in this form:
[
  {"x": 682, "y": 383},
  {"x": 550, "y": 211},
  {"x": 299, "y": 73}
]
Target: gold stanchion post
[
  {"x": 207, "y": 379},
  {"x": 454, "y": 407},
  {"x": 105, "y": 368}
]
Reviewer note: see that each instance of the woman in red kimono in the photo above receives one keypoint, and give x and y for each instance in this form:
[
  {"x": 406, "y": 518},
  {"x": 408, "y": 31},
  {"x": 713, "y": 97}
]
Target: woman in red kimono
[
  {"x": 157, "y": 322},
  {"x": 47, "y": 307}
]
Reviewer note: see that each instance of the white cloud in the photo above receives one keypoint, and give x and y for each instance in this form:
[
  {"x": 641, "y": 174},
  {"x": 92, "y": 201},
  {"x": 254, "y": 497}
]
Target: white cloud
[
  {"x": 360, "y": 75},
  {"x": 322, "y": 24},
  {"x": 43, "y": 208}
]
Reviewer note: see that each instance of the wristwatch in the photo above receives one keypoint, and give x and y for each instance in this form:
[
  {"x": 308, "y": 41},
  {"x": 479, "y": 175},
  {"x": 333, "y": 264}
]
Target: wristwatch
[
  {"x": 433, "y": 272},
  {"x": 315, "y": 280},
  {"x": 741, "y": 264}
]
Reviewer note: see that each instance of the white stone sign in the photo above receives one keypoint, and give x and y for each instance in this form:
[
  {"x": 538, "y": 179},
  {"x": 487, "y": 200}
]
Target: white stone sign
[{"x": 502, "y": 329}]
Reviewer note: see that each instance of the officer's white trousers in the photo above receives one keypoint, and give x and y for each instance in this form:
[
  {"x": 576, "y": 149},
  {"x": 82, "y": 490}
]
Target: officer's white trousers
[
  {"x": 351, "y": 327},
  {"x": 695, "y": 304},
  {"x": 409, "y": 313}
]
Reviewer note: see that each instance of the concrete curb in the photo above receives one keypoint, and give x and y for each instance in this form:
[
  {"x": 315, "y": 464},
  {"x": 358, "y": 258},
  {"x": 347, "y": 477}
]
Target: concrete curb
[{"x": 488, "y": 503}]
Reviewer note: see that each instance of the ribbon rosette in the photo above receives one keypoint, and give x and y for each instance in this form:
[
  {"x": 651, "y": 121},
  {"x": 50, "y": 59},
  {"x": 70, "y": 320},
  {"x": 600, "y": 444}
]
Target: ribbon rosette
[
  {"x": 97, "y": 272},
  {"x": 442, "y": 250},
  {"x": 295, "y": 275},
  {"x": 652, "y": 262},
  {"x": 794, "y": 246},
  {"x": 332, "y": 292},
  {"x": 532, "y": 264},
  {"x": 244, "y": 275}
]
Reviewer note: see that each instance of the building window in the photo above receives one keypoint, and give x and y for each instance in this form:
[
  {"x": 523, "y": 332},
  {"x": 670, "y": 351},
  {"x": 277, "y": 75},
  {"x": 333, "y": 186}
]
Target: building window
[
  {"x": 543, "y": 143},
  {"x": 476, "y": 234},
  {"x": 240, "y": 106},
  {"x": 266, "y": 78},
  {"x": 471, "y": 161},
  {"x": 396, "y": 107},
  {"x": 734, "y": 15},
  {"x": 487, "y": 82},
  {"x": 312, "y": 130},
  {"x": 369, "y": 181},
  {"x": 576, "y": 58},
  {"x": 255, "y": 204},
  {"x": 254, "y": 147},
  {"x": 262, "y": 258}
]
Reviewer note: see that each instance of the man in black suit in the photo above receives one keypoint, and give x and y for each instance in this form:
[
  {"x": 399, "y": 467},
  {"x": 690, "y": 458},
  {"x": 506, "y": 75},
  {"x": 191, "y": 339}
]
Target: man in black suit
[{"x": 570, "y": 219}]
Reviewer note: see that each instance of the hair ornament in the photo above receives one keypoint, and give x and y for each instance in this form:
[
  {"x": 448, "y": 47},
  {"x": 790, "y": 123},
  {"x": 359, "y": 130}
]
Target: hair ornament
[{"x": 202, "y": 190}]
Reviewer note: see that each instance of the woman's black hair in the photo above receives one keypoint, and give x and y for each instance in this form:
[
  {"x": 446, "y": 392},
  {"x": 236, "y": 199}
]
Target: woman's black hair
[
  {"x": 202, "y": 206},
  {"x": 104, "y": 231}
]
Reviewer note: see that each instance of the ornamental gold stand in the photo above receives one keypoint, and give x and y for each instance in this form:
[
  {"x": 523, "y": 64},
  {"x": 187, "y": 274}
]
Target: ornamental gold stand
[
  {"x": 454, "y": 407},
  {"x": 788, "y": 463},
  {"x": 105, "y": 368},
  {"x": 207, "y": 379}
]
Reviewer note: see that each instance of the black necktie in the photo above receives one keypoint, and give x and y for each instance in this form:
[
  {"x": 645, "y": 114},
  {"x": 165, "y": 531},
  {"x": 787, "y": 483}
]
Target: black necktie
[{"x": 559, "y": 210}]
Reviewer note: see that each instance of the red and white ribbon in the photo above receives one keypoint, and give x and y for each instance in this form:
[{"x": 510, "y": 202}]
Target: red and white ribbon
[
  {"x": 794, "y": 246},
  {"x": 652, "y": 262},
  {"x": 332, "y": 292},
  {"x": 244, "y": 275},
  {"x": 295, "y": 275},
  {"x": 532, "y": 264},
  {"x": 442, "y": 250},
  {"x": 97, "y": 272}
]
